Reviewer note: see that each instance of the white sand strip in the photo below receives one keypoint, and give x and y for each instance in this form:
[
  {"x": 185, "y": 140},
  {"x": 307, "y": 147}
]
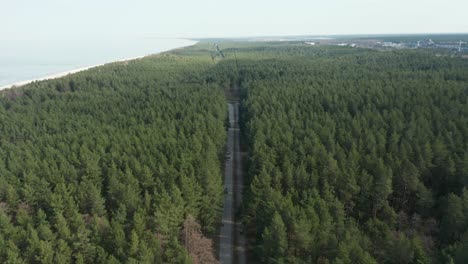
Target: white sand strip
[{"x": 62, "y": 74}]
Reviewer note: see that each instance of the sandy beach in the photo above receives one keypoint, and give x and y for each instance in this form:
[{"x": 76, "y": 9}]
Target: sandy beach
[
  {"x": 65, "y": 73},
  {"x": 62, "y": 74}
]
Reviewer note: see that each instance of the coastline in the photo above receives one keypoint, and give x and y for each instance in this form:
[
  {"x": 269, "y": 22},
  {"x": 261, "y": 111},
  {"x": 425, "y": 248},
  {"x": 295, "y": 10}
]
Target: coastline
[{"x": 66, "y": 73}]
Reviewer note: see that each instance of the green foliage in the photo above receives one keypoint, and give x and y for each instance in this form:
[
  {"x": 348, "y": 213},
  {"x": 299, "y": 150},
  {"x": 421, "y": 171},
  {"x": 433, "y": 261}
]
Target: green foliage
[
  {"x": 352, "y": 145},
  {"x": 354, "y": 156},
  {"x": 275, "y": 243},
  {"x": 103, "y": 166}
]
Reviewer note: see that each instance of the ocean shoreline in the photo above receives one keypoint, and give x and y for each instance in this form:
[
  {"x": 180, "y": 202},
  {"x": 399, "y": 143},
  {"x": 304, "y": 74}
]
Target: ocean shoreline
[{"x": 85, "y": 68}]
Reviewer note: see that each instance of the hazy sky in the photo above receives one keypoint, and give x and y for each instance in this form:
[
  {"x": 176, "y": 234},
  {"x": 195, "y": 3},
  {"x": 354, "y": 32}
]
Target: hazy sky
[{"x": 33, "y": 20}]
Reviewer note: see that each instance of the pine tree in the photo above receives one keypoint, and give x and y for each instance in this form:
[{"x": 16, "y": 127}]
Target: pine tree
[{"x": 275, "y": 242}]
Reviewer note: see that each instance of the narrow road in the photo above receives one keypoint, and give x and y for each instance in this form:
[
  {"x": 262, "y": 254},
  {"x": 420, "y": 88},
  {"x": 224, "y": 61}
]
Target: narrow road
[
  {"x": 232, "y": 241},
  {"x": 239, "y": 250}
]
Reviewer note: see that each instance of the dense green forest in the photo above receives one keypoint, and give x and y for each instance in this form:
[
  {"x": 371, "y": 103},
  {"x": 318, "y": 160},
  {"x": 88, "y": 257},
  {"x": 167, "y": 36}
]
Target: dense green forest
[
  {"x": 353, "y": 156},
  {"x": 105, "y": 166}
]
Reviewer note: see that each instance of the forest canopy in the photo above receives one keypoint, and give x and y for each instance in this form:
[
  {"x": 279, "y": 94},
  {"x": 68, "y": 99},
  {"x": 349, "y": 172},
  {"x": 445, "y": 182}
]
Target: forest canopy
[
  {"x": 353, "y": 156},
  {"x": 106, "y": 165}
]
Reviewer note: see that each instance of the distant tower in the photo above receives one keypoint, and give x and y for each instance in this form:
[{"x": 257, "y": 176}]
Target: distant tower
[
  {"x": 417, "y": 45},
  {"x": 459, "y": 46}
]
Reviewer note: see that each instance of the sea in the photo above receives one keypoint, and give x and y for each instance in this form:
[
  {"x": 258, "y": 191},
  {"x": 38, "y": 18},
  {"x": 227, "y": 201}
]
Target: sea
[{"x": 22, "y": 61}]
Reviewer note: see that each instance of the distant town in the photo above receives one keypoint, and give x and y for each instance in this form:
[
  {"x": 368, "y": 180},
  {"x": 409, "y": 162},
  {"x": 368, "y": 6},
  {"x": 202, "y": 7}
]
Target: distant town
[
  {"x": 454, "y": 46},
  {"x": 443, "y": 43}
]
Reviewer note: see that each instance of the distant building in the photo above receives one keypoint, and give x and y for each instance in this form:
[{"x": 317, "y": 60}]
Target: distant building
[
  {"x": 426, "y": 43},
  {"x": 391, "y": 45}
]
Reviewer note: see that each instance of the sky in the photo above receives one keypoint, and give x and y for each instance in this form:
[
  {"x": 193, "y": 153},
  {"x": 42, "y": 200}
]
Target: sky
[{"x": 33, "y": 20}]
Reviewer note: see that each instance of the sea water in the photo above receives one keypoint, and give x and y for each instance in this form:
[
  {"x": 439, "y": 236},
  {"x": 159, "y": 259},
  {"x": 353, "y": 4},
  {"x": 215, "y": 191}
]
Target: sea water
[{"x": 29, "y": 60}]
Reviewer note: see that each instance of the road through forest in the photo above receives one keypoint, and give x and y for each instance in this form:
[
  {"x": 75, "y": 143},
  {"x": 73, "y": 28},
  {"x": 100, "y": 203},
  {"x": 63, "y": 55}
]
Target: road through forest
[{"x": 232, "y": 240}]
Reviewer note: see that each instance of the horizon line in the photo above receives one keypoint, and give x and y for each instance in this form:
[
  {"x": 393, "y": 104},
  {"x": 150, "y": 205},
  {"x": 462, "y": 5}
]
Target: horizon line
[{"x": 325, "y": 35}]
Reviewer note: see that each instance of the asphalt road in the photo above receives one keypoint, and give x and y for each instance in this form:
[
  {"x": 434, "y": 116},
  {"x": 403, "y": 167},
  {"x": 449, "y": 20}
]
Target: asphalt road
[
  {"x": 232, "y": 241},
  {"x": 239, "y": 238}
]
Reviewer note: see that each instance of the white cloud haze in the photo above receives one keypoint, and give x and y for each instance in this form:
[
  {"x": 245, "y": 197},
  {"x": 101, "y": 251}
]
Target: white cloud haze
[{"x": 28, "y": 20}]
